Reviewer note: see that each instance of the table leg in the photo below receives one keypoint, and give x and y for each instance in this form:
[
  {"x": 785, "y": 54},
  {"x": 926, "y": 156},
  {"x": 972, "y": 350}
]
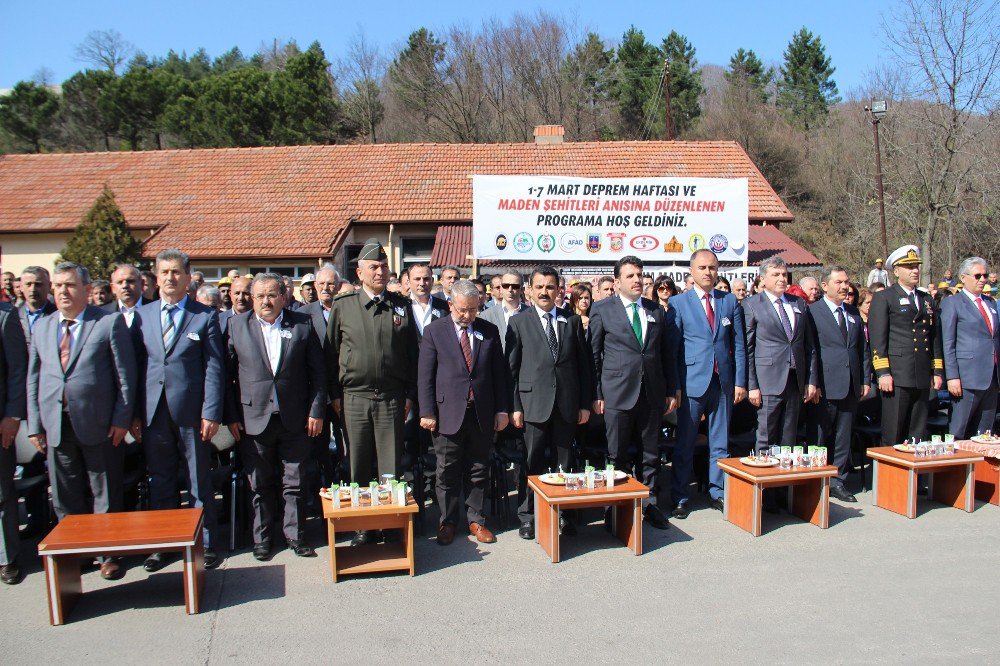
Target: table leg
[
  {"x": 62, "y": 579},
  {"x": 547, "y": 526},
  {"x": 811, "y": 502},
  {"x": 954, "y": 486},
  {"x": 988, "y": 481},
  {"x": 628, "y": 524},
  {"x": 895, "y": 489},
  {"x": 331, "y": 537},
  {"x": 408, "y": 535},
  {"x": 743, "y": 503},
  {"x": 194, "y": 574}
]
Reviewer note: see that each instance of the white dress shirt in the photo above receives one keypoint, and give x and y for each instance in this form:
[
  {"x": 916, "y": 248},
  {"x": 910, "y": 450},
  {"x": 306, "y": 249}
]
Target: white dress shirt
[
  {"x": 781, "y": 301},
  {"x": 74, "y": 330},
  {"x": 628, "y": 313},
  {"x": 422, "y": 315},
  {"x": 555, "y": 327},
  {"x": 272, "y": 343},
  {"x": 507, "y": 314},
  {"x": 701, "y": 299},
  {"x": 834, "y": 307},
  {"x": 127, "y": 312}
]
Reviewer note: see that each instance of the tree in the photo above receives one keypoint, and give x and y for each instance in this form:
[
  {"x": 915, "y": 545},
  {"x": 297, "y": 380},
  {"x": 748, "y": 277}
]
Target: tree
[
  {"x": 363, "y": 107},
  {"x": 104, "y": 48},
  {"x": 747, "y": 72},
  {"x": 232, "y": 110},
  {"x": 28, "y": 113},
  {"x": 414, "y": 77},
  {"x": 102, "y": 239},
  {"x": 137, "y": 101},
  {"x": 228, "y": 61},
  {"x": 586, "y": 73},
  {"x": 305, "y": 110},
  {"x": 806, "y": 89},
  {"x": 638, "y": 70},
  {"x": 83, "y": 124},
  {"x": 685, "y": 81}
]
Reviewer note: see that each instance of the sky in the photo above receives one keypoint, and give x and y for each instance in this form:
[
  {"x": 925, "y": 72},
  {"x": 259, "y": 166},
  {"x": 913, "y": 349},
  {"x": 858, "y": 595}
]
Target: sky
[{"x": 44, "y": 35}]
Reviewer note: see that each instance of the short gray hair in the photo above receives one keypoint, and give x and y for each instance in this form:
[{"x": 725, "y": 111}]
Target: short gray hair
[
  {"x": 174, "y": 255},
  {"x": 207, "y": 290},
  {"x": 966, "y": 266},
  {"x": 808, "y": 277},
  {"x": 464, "y": 288},
  {"x": 828, "y": 271},
  {"x": 39, "y": 272},
  {"x": 73, "y": 267},
  {"x": 329, "y": 267},
  {"x": 271, "y": 277},
  {"x": 772, "y": 262}
]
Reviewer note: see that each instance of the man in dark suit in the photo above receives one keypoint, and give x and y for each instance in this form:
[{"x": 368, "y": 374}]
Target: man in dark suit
[
  {"x": 239, "y": 294},
  {"x": 553, "y": 384},
  {"x": 426, "y": 307},
  {"x": 903, "y": 318},
  {"x": 13, "y": 374},
  {"x": 844, "y": 369},
  {"x": 636, "y": 377},
  {"x": 82, "y": 379},
  {"x": 464, "y": 386},
  {"x": 126, "y": 285},
  {"x": 279, "y": 397},
  {"x": 184, "y": 386},
  {"x": 970, "y": 332},
  {"x": 712, "y": 369},
  {"x": 36, "y": 286}
]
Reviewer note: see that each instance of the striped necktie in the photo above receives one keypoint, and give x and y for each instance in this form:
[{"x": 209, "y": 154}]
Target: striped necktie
[{"x": 168, "y": 325}]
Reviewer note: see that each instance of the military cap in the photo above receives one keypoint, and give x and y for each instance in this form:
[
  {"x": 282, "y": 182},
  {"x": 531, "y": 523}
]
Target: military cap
[
  {"x": 908, "y": 255},
  {"x": 372, "y": 251}
]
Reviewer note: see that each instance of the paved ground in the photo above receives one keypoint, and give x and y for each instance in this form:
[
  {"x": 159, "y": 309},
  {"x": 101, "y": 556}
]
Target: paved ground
[{"x": 875, "y": 587}]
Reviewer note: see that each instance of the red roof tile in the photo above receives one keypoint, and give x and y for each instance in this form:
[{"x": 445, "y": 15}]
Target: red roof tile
[{"x": 300, "y": 200}]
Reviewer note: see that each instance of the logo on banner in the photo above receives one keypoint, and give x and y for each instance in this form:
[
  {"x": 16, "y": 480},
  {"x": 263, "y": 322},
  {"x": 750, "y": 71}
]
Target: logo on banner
[
  {"x": 738, "y": 249},
  {"x": 696, "y": 242},
  {"x": 501, "y": 242},
  {"x": 616, "y": 242},
  {"x": 644, "y": 243},
  {"x": 523, "y": 242},
  {"x": 570, "y": 243},
  {"x": 718, "y": 243},
  {"x": 546, "y": 242},
  {"x": 673, "y": 246},
  {"x": 593, "y": 242}
]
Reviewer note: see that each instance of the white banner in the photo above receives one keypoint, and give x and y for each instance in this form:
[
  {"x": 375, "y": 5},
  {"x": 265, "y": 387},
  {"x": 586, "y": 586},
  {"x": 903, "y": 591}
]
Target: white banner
[{"x": 587, "y": 219}]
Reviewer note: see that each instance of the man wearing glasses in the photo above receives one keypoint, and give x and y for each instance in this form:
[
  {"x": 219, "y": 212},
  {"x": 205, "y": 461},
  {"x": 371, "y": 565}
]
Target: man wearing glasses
[
  {"x": 511, "y": 303},
  {"x": 971, "y": 348}
]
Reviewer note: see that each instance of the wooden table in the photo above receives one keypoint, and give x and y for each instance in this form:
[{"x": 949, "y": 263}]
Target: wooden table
[
  {"x": 129, "y": 533},
  {"x": 987, "y": 471},
  {"x": 808, "y": 488},
  {"x": 625, "y": 498},
  {"x": 371, "y": 557},
  {"x": 894, "y": 479}
]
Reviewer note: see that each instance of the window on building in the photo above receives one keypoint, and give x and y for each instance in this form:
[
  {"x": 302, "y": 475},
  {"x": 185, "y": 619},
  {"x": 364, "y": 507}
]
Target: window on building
[
  {"x": 294, "y": 272},
  {"x": 211, "y": 272},
  {"x": 417, "y": 250}
]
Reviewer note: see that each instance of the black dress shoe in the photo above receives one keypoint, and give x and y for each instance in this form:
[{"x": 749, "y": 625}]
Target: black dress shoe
[
  {"x": 10, "y": 574},
  {"x": 841, "y": 493},
  {"x": 681, "y": 511},
  {"x": 527, "y": 531},
  {"x": 262, "y": 551},
  {"x": 301, "y": 549},
  {"x": 566, "y": 526},
  {"x": 656, "y": 518},
  {"x": 362, "y": 538},
  {"x": 155, "y": 562},
  {"x": 212, "y": 559},
  {"x": 718, "y": 505}
]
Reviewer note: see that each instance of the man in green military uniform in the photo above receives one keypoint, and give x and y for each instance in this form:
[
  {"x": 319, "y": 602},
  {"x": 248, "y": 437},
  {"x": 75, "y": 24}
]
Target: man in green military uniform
[
  {"x": 903, "y": 318},
  {"x": 371, "y": 359}
]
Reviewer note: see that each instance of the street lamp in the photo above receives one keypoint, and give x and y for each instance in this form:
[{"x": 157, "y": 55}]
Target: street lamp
[{"x": 878, "y": 110}]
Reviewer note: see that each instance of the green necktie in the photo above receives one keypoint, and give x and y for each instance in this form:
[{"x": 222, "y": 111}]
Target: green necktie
[{"x": 636, "y": 325}]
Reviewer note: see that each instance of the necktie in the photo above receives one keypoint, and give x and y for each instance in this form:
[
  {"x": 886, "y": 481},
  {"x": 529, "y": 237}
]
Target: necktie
[
  {"x": 550, "y": 333},
  {"x": 842, "y": 322},
  {"x": 785, "y": 322},
  {"x": 710, "y": 311},
  {"x": 64, "y": 344},
  {"x": 982, "y": 311},
  {"x": 636, "y": 324},
  {"x": 467, "y": 352},
  {"x": 168, "y": 325},
  {"x": 913, "y": 301}
]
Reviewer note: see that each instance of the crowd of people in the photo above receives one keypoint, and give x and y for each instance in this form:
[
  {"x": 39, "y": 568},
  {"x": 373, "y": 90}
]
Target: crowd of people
[{"x": 336, "y": 385}]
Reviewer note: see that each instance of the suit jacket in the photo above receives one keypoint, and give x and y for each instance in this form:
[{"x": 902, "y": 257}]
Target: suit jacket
[
  {"x": 439, "y": 308},
  {"x": 224, "y": 318},
  {"x": 969, "y": 348},
  {"x": 769, "y": 352},
  {"x": 191, "y": 374},
  {"x": 444, "y": 380},
  {"x": 98, "y": 385},
  {"x": 841, "y": 363},
  {"x": 13, "y": 363},
  {"x": 315, "y": 312},
  {"x": 699, "y": 348},
  {"x": 495, "y": 317},
  {"x": 300, "y": 380},
  {"x": 904, "y": 342},
  {"x": 621, "y": 365},
  {"x": 22, "y": 311},
  {"x": 541, "y": 384},
  {"x": 133, "y": 328}
]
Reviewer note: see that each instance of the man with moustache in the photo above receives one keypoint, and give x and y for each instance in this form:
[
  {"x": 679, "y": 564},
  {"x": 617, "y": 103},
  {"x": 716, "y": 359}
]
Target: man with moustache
[
  {"x": 225, "y": 284},
  {"x": 239, "y": 293},
  {"x": 553, "y": 386},
  {"x": 449, "y": 275},
  {"x": 126, "y": 284},
  {"x": 36, "y": 287}
]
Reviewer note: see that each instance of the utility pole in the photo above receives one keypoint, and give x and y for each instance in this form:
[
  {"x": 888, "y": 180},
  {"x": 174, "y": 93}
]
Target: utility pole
[
  {"x": 877, "y": 111},
  {"x": 668, "y": 117}
]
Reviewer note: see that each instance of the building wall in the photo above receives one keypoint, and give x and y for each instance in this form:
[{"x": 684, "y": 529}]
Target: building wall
[{"x": 23, "y": 250}]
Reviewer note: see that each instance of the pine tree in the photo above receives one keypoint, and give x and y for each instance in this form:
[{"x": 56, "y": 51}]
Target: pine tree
[
  {"x": 685, "y": 81},
  {"x": 585, "y": 71},
  {"x": 806, "y": 89},
  {"x": 747, "y": 71},
  {"x": 28, "y": 113},
  {"x": 638, "y": 70},
  {"x": 102, "y": 239}
]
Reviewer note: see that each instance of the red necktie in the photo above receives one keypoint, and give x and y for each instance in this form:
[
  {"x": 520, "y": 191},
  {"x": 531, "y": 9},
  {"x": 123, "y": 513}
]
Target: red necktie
[
  {"x": 64, "y": 345},
  {"x": 710, "y": 312},
  {"x": 467, "y": 352},
  {"x": 989, "y": 322}
]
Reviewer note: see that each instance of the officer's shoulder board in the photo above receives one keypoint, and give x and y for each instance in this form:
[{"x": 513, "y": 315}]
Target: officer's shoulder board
[{"x": 346, "y": 294}]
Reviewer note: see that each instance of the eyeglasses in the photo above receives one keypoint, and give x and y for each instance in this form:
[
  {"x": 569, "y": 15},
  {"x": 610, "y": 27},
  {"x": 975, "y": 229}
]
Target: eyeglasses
[
  {"x": 506, "y": 285},
  {"x": 978, "y": 276}
]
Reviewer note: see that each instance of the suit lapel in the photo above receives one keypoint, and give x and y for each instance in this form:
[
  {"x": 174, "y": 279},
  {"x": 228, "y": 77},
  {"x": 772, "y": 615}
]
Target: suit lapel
[
  {"x": 258, "y": 335},
  {"x": 186, "y": 317},
  {"x": 623, "y": 315},
  {"x": 285, "y": 338},
  {"x": 85, "y": 328},
  {"x": 477, "y": 345}
]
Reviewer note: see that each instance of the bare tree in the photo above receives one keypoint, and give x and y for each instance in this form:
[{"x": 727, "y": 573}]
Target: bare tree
[
  {"x": 106, "y": 49},
  {"x": 364, "y": 70}
]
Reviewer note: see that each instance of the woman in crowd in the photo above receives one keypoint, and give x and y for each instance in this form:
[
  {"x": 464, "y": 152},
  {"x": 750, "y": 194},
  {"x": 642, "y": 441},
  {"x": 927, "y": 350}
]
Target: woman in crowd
[
  {"x": 852, "y": 296},
  {"x": 663, "y": 289},
  {"x": 723, "y": 285},
  {"x": 580, "y": 302},
  {"x": 864, "y": 303}
]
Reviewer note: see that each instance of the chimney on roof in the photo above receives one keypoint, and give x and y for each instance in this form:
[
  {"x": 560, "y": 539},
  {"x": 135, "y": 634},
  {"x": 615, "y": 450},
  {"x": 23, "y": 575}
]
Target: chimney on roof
[{"x": 545, "y": 134}]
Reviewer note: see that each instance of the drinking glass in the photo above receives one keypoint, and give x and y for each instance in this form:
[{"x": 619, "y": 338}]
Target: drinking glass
[
  {"x": 920, "y": 450},
  {"x": 949, "y": 447},
  {"x": 573, "y": 482},
  {"x": 786, "y": 461},
  {"x": 949, "y": 439},
  {"x": 775, "y": 451}
]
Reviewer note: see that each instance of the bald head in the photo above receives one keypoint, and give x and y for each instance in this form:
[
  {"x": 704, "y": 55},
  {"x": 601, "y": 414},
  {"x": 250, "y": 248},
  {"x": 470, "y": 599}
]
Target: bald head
[{"x": 239, "y": 293}]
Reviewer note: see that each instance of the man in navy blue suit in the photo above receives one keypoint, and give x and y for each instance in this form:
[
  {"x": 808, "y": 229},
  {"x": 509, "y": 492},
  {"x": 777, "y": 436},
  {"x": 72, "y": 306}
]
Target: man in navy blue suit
[
  {"x": 183, "y": 381},
  {"x": 636, "y": 377},
  {"x": 712, "y": 371},
  {"x": 971, "y": 339}
]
